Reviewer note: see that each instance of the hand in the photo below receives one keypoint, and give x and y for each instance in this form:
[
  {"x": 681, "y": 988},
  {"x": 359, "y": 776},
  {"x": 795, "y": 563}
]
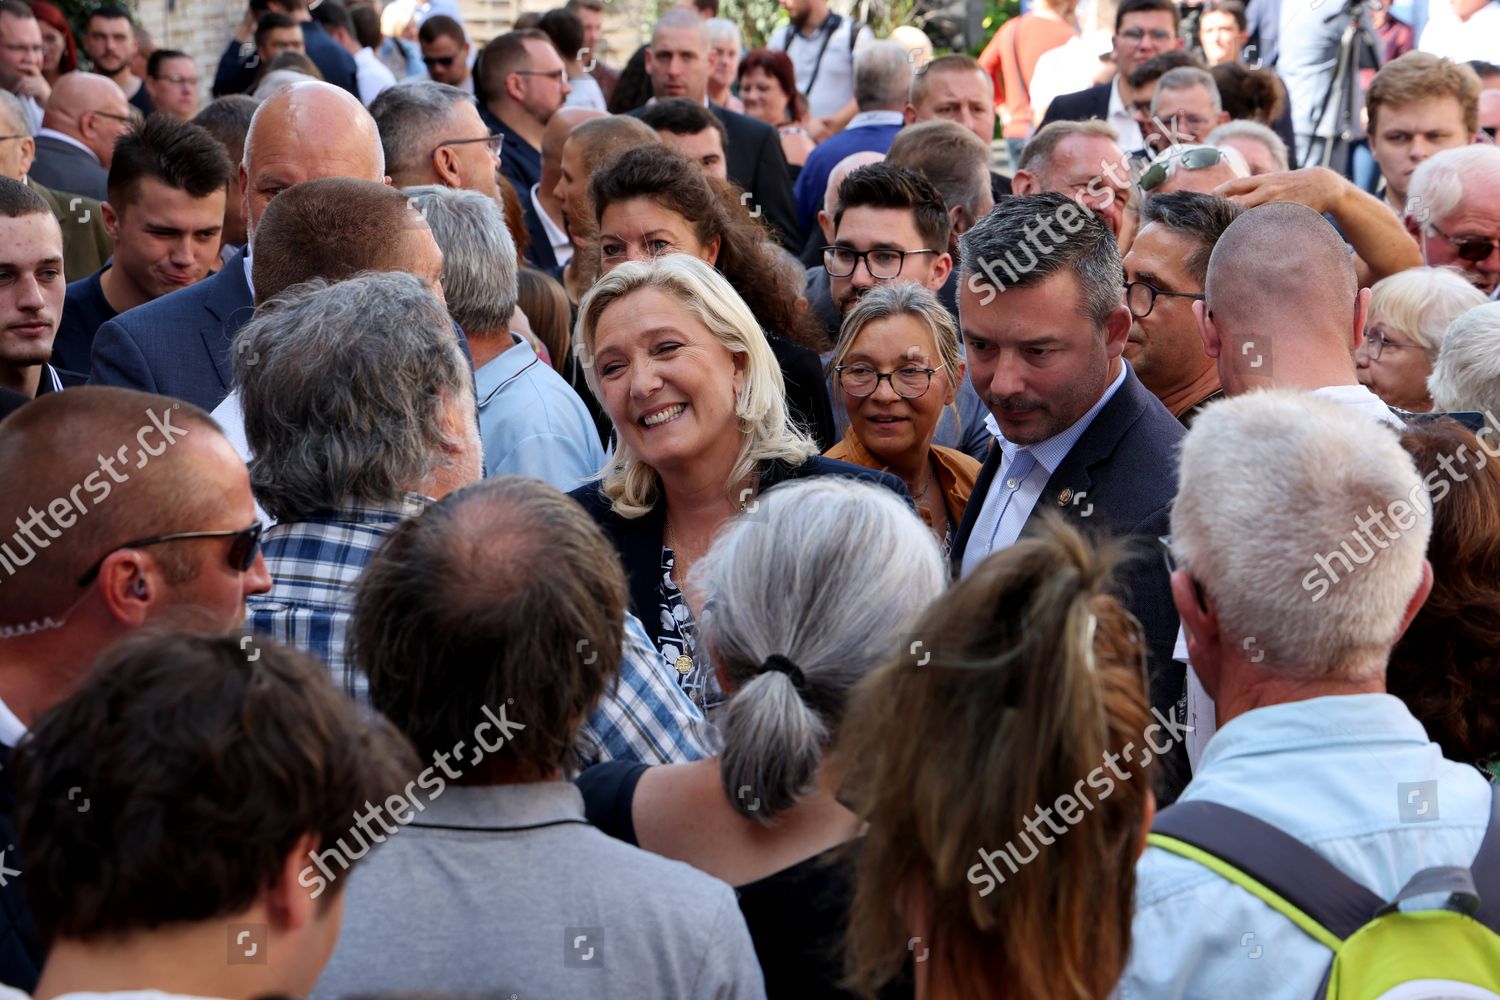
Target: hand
[
  {"x": 1319, "y": 188},
  {"x": 820, "y": 128},
  {"x": 35, "y": 87}
]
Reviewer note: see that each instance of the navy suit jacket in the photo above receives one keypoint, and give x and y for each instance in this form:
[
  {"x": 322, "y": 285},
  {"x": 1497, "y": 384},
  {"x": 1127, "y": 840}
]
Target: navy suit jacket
[
  {"x": 539, "y": 253},
  {"x": 64, "y": 167},
  {"x": 1120, "y": 479},
  {"x": 178, "y": 345},
  {"x": 21, "y": 953},
  {"x": 1079, "y": 105},
  {"x": 638, "y": 540}
]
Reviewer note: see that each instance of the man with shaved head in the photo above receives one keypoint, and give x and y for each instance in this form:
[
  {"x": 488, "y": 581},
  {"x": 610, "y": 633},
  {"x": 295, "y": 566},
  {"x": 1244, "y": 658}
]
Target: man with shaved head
[
  {"x": 551, "y": 249},
  {"x": 121, "y": 509},
  {"x": 178, "y": 345},
  {"x": 87, "y": 114},
  {"x": 591, "y": 146},
  {"x": 1282, "y": 308}
]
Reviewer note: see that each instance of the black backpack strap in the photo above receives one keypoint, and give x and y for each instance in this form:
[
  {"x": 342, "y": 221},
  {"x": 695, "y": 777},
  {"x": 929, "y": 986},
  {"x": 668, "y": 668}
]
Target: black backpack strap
[
  {"x": 1486, "y": 868},
  {"x": 1278, "y": 861}
]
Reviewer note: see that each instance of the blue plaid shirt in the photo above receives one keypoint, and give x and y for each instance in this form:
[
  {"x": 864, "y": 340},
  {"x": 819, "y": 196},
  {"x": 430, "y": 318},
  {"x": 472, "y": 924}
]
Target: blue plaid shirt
[{"x": 315, "y": 564}]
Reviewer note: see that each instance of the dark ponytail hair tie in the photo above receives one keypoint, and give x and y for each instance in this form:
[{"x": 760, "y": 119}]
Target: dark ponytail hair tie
[{"x": 781, "y": 665}]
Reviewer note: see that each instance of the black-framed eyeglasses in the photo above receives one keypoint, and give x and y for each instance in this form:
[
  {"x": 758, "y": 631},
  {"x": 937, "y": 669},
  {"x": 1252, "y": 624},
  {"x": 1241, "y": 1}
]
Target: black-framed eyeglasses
[
  {"x": 1140, "y": 296},
  {"x": 1376, "y": 342},
  {"x": 883, "y": 265},
  {"x": 242, "y": 551},
  {"x": 494, "y": 142},
  {"x": 555, "y": 74},
  {"x": 1197, "y": 158},
  {"x": 1472, "y": 248},
  {"x": 908, "y": 381},
  {"x": 443, "y": 61},
  {"x": 3, "y": 138}
]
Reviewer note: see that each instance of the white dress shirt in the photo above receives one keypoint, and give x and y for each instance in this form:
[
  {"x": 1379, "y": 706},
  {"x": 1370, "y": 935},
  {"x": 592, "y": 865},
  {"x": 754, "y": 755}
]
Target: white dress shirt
[
  {"x": 1122, "y": 121},
  {"x": 562, "y": 247}
]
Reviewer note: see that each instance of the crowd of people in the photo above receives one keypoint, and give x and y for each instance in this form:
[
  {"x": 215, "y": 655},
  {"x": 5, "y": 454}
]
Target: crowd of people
[{"x": 834, "y": 519}]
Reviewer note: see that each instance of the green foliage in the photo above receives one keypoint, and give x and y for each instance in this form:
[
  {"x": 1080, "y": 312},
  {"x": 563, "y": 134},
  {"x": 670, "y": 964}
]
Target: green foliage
[
  {"x": 756, "y": 18},
  {"x": 996, "y": 13}
]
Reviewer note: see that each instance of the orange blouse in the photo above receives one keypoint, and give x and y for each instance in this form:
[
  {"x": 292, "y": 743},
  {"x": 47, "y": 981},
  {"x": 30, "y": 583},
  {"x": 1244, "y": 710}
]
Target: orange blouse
[{"x": 956, "y": 473}]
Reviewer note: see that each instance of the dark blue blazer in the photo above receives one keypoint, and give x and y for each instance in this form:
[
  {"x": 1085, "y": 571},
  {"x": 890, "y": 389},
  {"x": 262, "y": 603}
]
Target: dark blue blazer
[
  {"x": 178, "y": 345},
  {"x": 539, "y": 253},
  {"x": 1119, "y": 480},
  {"x": 639, "y": 540},
  {"x": 21, "y": 953},
  {"x": 1079, "y": 105}
]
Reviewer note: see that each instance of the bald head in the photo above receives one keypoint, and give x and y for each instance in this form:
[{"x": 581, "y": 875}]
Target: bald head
[
  {"x": 590, "y": 146},
  {"x": 555, "y": 136},
  {"x": 1281, "y": 288},
  {"x": 305, "y": 132},
  {"x": 843, "y": 169},
  {"x": 91, "y": 109}
]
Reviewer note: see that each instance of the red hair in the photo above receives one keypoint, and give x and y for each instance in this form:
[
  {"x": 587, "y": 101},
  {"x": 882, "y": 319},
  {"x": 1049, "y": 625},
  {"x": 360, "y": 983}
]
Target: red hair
[
  {"x": 778, "y": 66},
  {"x": 50, "y": 15}
]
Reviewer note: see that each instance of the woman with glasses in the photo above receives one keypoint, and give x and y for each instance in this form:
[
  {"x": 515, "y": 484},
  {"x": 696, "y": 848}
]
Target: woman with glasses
[
  {"x": 896, "y": 365},
  {"x": 1409, "y": 312},
  {"x": 804, "y": 602},
  {"x": 652, "y": 201},
  {"x": 701, "y": 431}
]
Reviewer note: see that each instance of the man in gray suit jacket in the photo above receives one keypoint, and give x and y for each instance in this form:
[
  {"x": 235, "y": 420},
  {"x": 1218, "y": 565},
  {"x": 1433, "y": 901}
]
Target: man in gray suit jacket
[
  {"x": 1042, "y": 308},
  {"x": 85, "y": 117},
  {"x": 178, "y": 345}
]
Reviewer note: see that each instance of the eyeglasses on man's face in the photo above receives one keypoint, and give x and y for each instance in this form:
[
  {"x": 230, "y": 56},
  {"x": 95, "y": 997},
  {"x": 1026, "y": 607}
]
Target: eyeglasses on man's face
[
  {"x": 1470, "y": 248},
  {"x": 1140, "y": 296},
  {"x": 241, "y": 555},
  {"x": 909, "y": 381},
  {"x": 882, "y": 264},
  {"x": 492, "y": 142},
  {"x": 555, "y": 75}
]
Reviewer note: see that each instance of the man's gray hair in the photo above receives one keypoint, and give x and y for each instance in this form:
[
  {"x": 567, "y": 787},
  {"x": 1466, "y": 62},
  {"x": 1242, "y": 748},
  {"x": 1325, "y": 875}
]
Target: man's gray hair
[
  {"x": 828, "y": 573},
  {"x": 1245, "y": 129},
  {"x": 1448, "y": 180},
  {"x": 12, "y": 115},
  {"x": 722, "y": 28},
  {"x": 1466, "y": 374},
  {"x": 344, "y": 388},
  {"x": 882, "y": 76},
  {"x": 479, "y": 256},
  {"x": 956, "y": 161},
  {"x": 1185, "y": 78},
  {"x": 1026, "y": 239},
  {"x": 1320, "y": 586},
  {"x": 409, "y": 116},
  {"x": 679, "y": 18}
]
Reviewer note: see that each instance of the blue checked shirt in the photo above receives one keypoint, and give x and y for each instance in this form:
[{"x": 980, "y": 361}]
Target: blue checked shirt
[{"x": 315, "y": 564}]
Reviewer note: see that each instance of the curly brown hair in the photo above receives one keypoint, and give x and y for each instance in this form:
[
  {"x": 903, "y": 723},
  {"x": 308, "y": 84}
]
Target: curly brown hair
[
  {"x": 748, "y": 257},
  {"x": 1446, "y": 668}
]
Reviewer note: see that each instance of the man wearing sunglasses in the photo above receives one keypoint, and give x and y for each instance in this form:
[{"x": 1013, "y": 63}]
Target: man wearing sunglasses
[
  {"x": 1453, "y": 213},
  {"x": 445, "y": 52},
  {"x": 122, "y": 509}
]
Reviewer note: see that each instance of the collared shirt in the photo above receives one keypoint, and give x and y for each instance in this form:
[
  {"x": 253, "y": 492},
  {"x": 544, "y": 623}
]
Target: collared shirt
[
  {"x": 371, "y": 75},
  {"x": 646, "y": 717},
  {"x": 314, "y": 566},
  {"x": 868, "y": 118},
  {"x": 520, "y": 895},
  {"x": 562, "y": 246},
  {"x": 532, "y": 423},
  {"x": 1122, "y": 121},
  {"x": 59, "y": 136},
  {"x": 1049, "y": 454},
  {"x": 11, "y": 727},
  {"x": 1346, "y": 775}
]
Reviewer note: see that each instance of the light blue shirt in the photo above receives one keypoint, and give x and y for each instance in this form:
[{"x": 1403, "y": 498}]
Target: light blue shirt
[
  {"x": 1049, "y": 454},
  {"x": 532, "y": 423},
  {"x": 1353, "y": 777}
]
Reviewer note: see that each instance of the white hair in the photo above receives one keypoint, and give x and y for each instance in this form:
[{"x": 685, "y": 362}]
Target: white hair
[
  {"x": 1445, "y": 181},
  {"x": 721, "y": 28},
  {"x": 882, "y": 76},
  {"x": 1245, "y": 129},
  {"x": 1299, "y": 564},
  {"x": 1466, "y": 374},
  {"x": 1421, "y": 303}
]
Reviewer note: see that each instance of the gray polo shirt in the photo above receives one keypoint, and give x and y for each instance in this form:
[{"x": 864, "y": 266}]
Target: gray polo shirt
[{"x": 507, "y": 890}]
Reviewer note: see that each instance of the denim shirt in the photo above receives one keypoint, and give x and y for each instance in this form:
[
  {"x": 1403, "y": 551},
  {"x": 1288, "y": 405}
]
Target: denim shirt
[{"x": 1352, "y": 776}]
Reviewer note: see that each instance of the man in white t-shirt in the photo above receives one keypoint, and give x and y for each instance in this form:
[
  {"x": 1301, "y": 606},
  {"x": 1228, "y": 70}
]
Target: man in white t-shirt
[{"x": 821, "y": 45}]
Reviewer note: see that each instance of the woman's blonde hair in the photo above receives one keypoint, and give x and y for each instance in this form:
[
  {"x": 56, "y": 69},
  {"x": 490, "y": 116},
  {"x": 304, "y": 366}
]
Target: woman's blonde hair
[
  {"x": 760, "y": 404},
  {"x": 1421, "y": 302},
  {"x": 1031, "y": 680},
  {"x": 904, "y": 299}
]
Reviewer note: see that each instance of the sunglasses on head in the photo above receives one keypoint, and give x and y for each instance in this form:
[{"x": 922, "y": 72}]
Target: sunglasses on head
[
  {"x": 1197, "y": 158},
  {"x": 242, "y": 550}
]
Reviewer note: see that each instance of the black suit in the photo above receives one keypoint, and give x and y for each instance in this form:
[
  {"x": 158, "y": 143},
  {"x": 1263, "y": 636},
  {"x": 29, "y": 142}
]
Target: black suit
[
  {"x": 64, "y": 167},
  {"x": 755, "y": 162},
  {"x": 639, "y": 540},
  {"x": 539, "y": 254},
  {"x": 20, "y": 952},
  {"x": 1080, "y": 105},
  {"x": 1119, "y": 478}
]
